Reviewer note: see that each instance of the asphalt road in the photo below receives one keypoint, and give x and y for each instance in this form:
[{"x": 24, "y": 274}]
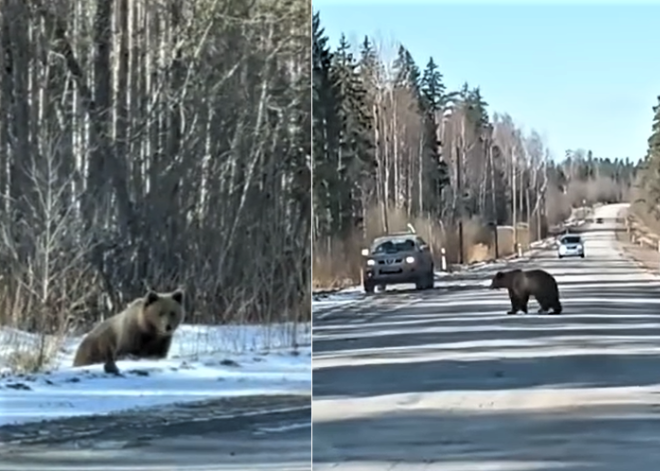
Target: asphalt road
[
  {"x": 445, "y": 380},
  {"x": 248, "y": 433}
]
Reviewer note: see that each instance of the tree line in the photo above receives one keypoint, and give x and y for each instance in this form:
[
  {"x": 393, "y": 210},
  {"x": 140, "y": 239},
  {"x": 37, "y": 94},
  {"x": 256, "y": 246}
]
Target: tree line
[
  {"x": 154, "y": 145},
  {"x": 646, "y": 202},
  {"x": 391, "y": 141}
]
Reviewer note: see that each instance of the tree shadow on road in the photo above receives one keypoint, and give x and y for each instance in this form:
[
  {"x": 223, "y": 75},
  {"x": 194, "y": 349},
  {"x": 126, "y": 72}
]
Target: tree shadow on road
[
  {"x": 470, "y": 344},
  {"x": 610, "y": 437},
  {"x": 415, "y": 376}
]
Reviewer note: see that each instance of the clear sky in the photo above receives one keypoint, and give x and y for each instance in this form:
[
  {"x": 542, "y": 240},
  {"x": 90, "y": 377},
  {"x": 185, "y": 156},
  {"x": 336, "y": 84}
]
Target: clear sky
[{"x": 582, "y": 74}]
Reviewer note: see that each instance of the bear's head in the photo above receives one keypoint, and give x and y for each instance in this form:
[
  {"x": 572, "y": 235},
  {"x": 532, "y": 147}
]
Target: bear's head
[
  {"x": 164, "y": 312},
  {"x": 500, "y": 280}
]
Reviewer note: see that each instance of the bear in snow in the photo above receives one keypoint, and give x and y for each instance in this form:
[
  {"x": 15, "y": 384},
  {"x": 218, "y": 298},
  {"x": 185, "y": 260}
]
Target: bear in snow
[{"x": 143, "y": 330}]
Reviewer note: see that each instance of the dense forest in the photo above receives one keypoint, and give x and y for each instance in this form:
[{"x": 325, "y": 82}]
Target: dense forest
[
  {"x": 646, "y": 200},
  {"x": 392, "y": 144},
  {"x": 154, "y": 145}
]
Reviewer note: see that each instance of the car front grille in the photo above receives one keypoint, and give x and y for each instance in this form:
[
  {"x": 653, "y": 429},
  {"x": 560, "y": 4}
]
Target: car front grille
[{"x": 390, "y": 261}]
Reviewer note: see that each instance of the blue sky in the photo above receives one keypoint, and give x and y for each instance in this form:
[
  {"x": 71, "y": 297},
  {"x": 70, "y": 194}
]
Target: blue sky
[{"x": 582, "y": 74}]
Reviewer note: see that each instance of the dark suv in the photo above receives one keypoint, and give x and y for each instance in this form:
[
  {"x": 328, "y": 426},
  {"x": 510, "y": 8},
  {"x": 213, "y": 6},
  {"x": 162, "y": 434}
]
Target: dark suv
[{"x": 395, "y": 259}]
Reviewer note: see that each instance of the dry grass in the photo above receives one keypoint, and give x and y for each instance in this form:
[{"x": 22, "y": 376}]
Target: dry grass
[
  {"x": 25, "y": 353},
  {"x": 639, "y": 240},
  {"x": 642, "y": 228},
  {"x": 642, "y": 216}
]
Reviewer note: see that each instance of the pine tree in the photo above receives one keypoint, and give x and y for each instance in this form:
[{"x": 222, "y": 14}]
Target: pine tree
[
  {"x": 407, "y": 74},
  {"x": 432, "y": 91},
  {"x": 654, "y": 139},
  {"x": 474, "y": 106},
  {"x": 369, "y": 65},
  {"x": 355, "y": 157},
  {"x": 325, "y": 129},
  {"x": 432, "y": 87},
  {"x": 650, "y": 180},
  {"x": 478, "y": 108}
]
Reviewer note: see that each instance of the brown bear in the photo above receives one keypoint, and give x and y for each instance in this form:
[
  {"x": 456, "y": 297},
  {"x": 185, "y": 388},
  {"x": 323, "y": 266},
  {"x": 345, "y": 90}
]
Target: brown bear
[
  {"x": 523, "y": 284},
  {"x": 143, "y": 330}
]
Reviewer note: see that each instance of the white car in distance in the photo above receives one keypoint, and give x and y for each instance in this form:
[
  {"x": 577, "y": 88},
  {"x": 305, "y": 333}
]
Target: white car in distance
[{"x": 570, "y": 245}]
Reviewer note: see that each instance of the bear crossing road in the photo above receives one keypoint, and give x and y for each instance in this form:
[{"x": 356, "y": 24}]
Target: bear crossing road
[
  {"x": 449, "y": 381},
  {"x": 521, "y": 284}
]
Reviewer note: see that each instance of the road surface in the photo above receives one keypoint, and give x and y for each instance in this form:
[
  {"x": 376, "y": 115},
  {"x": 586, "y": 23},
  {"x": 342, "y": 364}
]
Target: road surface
[
  {"x": 445, "y": 380},
  {"x": 249, "y": 433}
]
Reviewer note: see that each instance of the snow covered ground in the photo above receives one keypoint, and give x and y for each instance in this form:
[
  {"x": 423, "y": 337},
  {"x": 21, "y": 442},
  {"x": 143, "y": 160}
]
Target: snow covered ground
[{"x": 204, "y": 362}]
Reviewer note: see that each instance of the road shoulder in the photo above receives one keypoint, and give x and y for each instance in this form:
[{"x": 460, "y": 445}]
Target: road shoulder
[{"x": 646, "y": 257}]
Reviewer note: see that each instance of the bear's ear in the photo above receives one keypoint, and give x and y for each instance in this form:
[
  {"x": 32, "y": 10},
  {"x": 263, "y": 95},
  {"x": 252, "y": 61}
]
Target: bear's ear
[
  {"x": 499, "y": 275},
  {"x": 178, "y": 296},
  {"x": 150, "y": 298}
]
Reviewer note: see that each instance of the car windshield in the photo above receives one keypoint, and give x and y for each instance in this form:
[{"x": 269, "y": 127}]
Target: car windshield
[
  {"x": 394, "y": 246},
  {"x": 571, "y": 240}
]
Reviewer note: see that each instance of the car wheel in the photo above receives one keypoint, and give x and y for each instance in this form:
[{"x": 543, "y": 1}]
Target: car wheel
[
  {"x": 431, "y": 279},
  {"x": 560, "y": 257},
  {"x": 420, "y": 283},
  {"x": 368, "y": 287},
  {"x": 423, "y": 282},
  {"x": 581, "y": 255}
]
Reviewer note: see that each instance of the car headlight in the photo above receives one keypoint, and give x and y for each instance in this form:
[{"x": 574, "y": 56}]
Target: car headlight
[
  {"x": 410, "y": 259},
  {"x": 371, "y": 263}
]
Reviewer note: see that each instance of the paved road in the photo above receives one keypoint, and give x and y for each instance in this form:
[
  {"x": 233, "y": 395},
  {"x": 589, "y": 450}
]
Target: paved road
[
  {"x": 446, "y": 381},
  {"x": 253, "y": 433}
]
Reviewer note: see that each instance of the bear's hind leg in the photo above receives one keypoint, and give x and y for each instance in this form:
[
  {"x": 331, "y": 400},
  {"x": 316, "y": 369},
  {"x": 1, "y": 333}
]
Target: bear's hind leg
[
  {"x": 544, "y": 305},
  {"x": 556, "y": 308},
  {"x": 84, "y": 353},
  {"x": 524, "y": 299}
]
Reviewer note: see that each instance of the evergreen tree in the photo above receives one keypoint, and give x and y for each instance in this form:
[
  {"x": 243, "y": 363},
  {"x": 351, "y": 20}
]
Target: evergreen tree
[
  {"x": 432, "y": 91},
  {"x": 650, "y": 180},
  {"x": 369, "y": 65},
  {"x": 478, "y": 108},
  {"x": 432, "y": 87},
  {"x": 325, "y": 128},
  {"x": 654, "y": 139},
  {"x": 407, "y": 74},
  {"x": 355, "y": 158},
  {"x": 474, "y": 107}
]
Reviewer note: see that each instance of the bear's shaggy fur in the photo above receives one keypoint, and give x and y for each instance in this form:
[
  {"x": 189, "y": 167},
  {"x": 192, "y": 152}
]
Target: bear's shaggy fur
[
  {"x": 143, "y": 330},
  {"x": 523, "y": 284}
]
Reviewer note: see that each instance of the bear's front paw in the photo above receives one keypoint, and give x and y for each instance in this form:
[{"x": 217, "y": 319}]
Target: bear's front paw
[{"x": 111, "y": 369}]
